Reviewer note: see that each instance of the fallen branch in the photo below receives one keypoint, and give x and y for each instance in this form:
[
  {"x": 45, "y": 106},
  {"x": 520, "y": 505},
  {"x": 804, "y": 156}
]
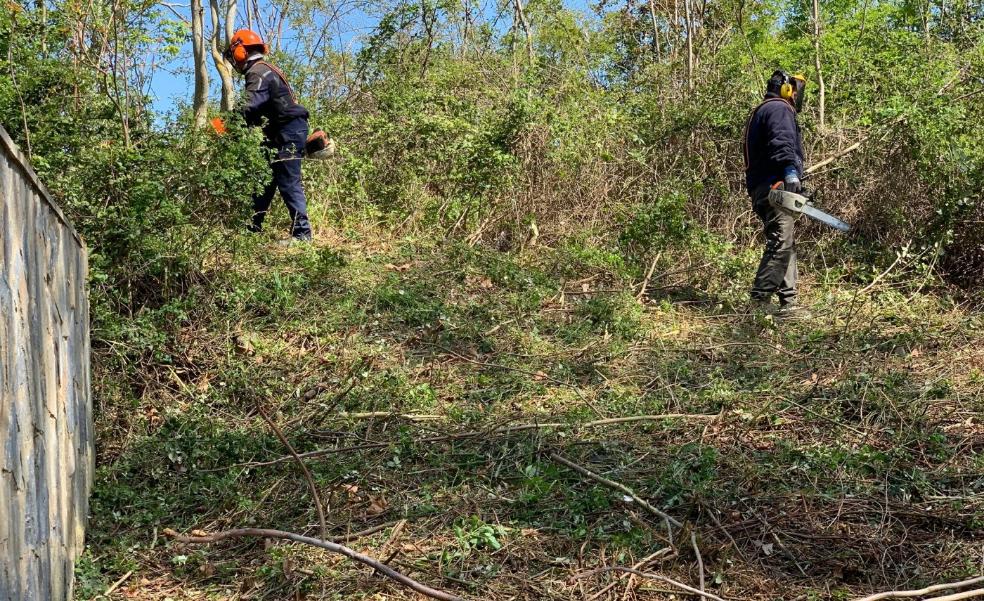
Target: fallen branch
[
  {"x": 477, "y": 433},
  {"x": 923, "y": 591},
  {"x": 834, "y": 157},
  {"x": 345, "y": 538},
  {"x": 410, "y": 417},
  {"x": 617, "y": 486},
  {"x": 648, "y": 418},
  {"x": 534, "y": 375},
  {"x": 852, "y": 147},
  {"x": 307, "y": 473},
  {"x": 700, "y": 560},
  {"x": 649, "y": 275},
  {"x": 115, "y": 585},
  {"x": 957, "y": 596},
  {"x": 379, "y": 566},
  {"x": 628, "y": 587},
  {"x": 652, "y": 576}
]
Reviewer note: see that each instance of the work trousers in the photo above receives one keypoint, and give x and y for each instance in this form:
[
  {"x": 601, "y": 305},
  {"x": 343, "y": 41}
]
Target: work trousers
[
  {"x": 777, "y": 273},
  {"x": 288, "y": 145}
]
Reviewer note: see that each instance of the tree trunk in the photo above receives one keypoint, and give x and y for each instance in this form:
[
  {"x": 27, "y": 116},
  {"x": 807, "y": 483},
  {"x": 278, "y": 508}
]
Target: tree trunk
[
  {"x": 652, "y": 15},
  {"x": 816, "y": 61},
  {"x": 43, "y": 6},
  {"x": 690, "y": 44},
  {"x": 232, "y": 8},
  {"x": 200, "y": 101},
  {"x": 526, "y": 28},
  {"x": 221, "y": 35}
]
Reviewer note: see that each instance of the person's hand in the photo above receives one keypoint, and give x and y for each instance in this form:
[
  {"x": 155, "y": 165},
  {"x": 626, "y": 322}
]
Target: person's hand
[{"x": 791, "y": 182}]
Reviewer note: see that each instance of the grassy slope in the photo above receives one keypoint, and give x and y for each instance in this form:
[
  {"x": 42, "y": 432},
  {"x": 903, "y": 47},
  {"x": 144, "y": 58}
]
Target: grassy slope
[{"x": 843, "y": 454}]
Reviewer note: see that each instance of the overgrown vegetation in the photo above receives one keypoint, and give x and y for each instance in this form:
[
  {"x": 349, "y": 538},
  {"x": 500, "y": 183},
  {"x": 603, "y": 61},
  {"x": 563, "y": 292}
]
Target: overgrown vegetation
[{"x": 481, "y": 246}]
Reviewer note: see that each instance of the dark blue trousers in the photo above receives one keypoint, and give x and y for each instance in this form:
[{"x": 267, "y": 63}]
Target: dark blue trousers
[{"x": 288, "y": 145}]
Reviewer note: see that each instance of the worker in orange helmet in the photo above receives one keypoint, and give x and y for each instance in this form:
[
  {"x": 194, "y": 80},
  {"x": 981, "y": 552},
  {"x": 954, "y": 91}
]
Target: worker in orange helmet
[{"x": 270, "y": 103}]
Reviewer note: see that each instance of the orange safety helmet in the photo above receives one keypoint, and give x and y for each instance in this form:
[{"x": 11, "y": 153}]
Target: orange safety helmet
[{"x": 240, "y": 45}]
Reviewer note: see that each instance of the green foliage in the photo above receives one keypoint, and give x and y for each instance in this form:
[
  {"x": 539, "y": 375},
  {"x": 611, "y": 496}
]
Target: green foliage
[{"x": 475, "y": 534}]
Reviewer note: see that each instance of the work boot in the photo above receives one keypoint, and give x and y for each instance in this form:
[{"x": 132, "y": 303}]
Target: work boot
[
  {"x": 761, "y": 306},
  {"x": 793, "y": 311},
  {"x": 294, "y": 241}
]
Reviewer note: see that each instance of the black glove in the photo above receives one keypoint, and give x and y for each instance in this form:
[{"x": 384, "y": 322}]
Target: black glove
[
  {"x": 792, "y": 183},
  {"x": 791, "y": 180}
]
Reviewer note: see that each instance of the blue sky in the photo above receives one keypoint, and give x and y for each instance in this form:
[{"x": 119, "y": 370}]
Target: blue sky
[{"x": 172, "y": 84}]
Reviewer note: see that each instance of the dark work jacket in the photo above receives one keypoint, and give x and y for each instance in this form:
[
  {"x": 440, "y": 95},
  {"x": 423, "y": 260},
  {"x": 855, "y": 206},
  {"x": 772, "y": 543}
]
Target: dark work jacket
[
  {"x": 269, "y": 97},
  {"x": 772, "y": 143}
]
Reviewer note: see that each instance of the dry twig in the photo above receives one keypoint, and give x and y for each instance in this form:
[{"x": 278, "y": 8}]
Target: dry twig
[
  {"x": 700, "y": 560},
  {"x": 924, "y": 591},
  {"x": 115, "y": 585},
  {"x": 653, "y": 576},
  {"x": 617, "y": 486},
  {"x": 379, "y": 566},
  {"x": 307, "y": 473},
  {"x": 649, "y": 275},
  {"x": 477, "y": 433},
  {"x": 535, "y": 375},
  {"x": 345, "y": 538},
  {"x": 410, "y": 417},
  {"x": 957, "y": 596}
]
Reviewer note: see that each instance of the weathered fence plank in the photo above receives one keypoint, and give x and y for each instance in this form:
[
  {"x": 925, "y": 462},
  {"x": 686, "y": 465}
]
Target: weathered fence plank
[{"x": 46, "y": 446}]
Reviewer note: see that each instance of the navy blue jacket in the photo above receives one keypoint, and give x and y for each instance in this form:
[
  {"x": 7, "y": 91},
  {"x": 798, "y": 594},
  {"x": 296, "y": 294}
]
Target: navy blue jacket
[
  {"x": 269, "y": 97},
  {"x": 772, "y": 143}
]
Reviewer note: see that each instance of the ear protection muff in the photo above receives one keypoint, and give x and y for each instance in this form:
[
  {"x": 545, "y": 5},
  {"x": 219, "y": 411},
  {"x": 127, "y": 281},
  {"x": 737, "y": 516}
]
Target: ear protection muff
[
  {"x": 792, "y": 85},
  {"x": 239, "y": 53},
  {"x": 786, "y": 91},
  {"x": 235, "y": 53}
]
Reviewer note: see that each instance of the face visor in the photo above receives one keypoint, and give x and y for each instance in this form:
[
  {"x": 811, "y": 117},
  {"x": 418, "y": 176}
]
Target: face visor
[{"x": 799, "y": 84}]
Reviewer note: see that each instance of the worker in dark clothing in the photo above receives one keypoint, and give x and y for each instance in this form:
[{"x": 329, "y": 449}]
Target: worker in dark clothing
[
  {"x": 774, "y": 155},
  {"x": 270, "y": 103}
]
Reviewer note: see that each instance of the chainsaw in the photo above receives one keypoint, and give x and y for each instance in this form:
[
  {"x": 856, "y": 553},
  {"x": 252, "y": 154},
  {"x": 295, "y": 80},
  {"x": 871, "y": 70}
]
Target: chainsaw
[{"x": 800, "y": 204}]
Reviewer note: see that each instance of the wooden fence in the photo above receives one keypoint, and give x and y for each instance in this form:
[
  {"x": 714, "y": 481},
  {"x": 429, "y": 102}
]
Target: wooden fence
[{"x": 46, "y": 446}]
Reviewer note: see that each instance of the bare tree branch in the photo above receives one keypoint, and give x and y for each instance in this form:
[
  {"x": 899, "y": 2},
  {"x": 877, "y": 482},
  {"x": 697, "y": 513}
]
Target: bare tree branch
[
  {"x": 307, "y": 473},
  {"x": 653, "y": 576},
  {"x": 923, "y": 591},
  {"x": 617, "y": 486},
  {"x": 377, "y": 565}
]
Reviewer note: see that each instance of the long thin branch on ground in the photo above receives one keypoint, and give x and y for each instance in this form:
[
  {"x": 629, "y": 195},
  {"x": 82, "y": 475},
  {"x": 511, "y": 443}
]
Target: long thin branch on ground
[
  {"x": 649, "y": 275},
  {"x": 496, "y": 431},
  {"x": 923, "y": 591},
  {"x": 617, "y": 486},
  {"x": 410, "y": 417},
  {"x": 652, "y": 576},
  {"x": 638, "y": 566},
  {"x": 379, "y": 566},
  {"x": 958, "y": 596},
  {"x": 700, "y": 560},
  {"x": 114, "y": 586},
  {"x": 535, "y": 375},
  {"x": 648, "y": 418},
  {"x": 307, "y": 473},
  {"x": 351, "y": 536}
]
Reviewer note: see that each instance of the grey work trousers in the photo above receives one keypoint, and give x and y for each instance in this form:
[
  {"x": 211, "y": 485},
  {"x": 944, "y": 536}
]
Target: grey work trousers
[{"x": 777, "y": 273}]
